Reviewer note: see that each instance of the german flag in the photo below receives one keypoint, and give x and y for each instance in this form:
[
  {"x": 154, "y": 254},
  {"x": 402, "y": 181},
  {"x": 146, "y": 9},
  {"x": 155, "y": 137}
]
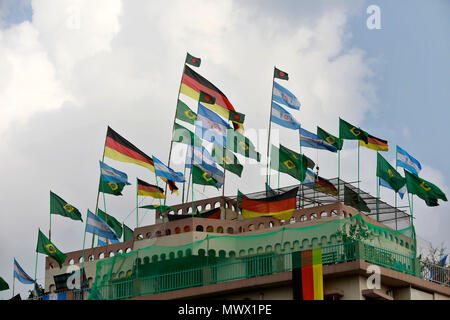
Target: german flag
[
  {"x": 120, "y": 149},
  {"x": 307, "y": 275},
  {"x": 192, "y": 84},
  {"x": 210, "y": 214},
  {"x": 375, "y": 143},
  {"x": 146, "y": 189},
  {"x": 325, "y": 186},
  {"x": 280, "y": 206},
  {"x": 172, "y": 186}
]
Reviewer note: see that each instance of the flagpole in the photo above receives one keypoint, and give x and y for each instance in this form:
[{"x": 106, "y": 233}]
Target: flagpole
[
  {"x": 35, "y": 269},
  {"x": 84, "y": 240},
  {"x": 192, "y": 193},
  {"x": 159, "y": 197},
  {"x": 378, "y": 197},
  {"x": 339, "y": 174},
  {"x": 184, "y": 175},
  {"x": 14, "y": 281},
  {"x": 137, "y": 202},
  {"x": 396, "y": 169},
  {"x": 224, "y": 156},
  {"x": 270, "y": 127},
  {"x": 173, "y": 124},
  {"x": 358, "y": 169},
  {"x": 50, "y": 228}
]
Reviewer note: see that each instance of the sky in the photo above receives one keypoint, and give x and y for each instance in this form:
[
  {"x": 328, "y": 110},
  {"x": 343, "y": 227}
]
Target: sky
[{"x": 70, "y": 68}]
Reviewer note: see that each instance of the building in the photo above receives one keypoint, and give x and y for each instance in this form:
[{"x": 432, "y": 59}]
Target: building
[{"x": 235, "y": 258}]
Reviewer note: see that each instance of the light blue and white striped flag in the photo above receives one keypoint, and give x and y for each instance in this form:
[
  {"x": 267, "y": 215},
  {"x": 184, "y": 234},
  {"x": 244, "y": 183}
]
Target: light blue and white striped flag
[
  {"x": 164, "y": 171},
  {"x": 284, "y": 96},
  {"x": 283, "y": 118},
  {"x": 21, "y": 275},
  {"x": 113, "y": 175},
  {"x": 408, "y": 162},
  {"x": 98, "y": 226}
]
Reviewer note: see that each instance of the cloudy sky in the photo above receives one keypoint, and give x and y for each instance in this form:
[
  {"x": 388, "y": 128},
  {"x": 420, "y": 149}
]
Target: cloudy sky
[{"x": 70, "y": 68}]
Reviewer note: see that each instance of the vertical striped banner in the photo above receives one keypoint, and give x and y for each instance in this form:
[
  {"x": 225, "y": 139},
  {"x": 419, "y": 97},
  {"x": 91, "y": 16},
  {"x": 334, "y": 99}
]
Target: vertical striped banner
[{"x": 307, "y": 275}]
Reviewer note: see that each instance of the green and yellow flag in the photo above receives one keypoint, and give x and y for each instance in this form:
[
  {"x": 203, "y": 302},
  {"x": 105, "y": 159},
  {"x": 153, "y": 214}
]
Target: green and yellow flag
[
  {"x": 226, "y": 159},
  {"x": 160, "y": 208},
  {"x": 353, "y": 199},
  {"x": 202, "y": 177},
  {"x": 387, "y": 172},
  {"x": 287, "y": 161},
  {"x": 334, "y": 141},
  {"x": 45, "y": 246},
  {"x": 3, "y": 284},
  {"x": 424, "y": 189},
  {"x": 350, "y": 132},
  {"x": 184, "y": 113},
  {"x": 238, "y": 143},
  {"x": 61, "y": 207},
  {"x": 114, "y": 188},
  {"x": 111, "y": 221},
  {"x": 183, "y": 135}
]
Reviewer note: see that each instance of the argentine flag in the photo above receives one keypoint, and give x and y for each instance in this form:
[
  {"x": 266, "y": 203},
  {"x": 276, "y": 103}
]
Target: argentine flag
[
  {"x": 283, "y": 118},
  {"x": 210, "y": 126},
  {"x": 310, "y": 177},
  {"x": 311, "y": 140},
  {"x": 21, "y": 275},
  {"x": 164, "y": 171},
  {"x": 284, "y": 96},
  {"x": 98, "y": 226},
  {"x": 203, "y": 159},
  {"x": 112, "y": 175},
  {"x": 406, "y": 161}
]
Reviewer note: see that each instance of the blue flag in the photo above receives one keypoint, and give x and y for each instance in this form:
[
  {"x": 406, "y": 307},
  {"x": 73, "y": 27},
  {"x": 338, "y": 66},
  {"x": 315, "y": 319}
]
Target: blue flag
[
  {"x": 203, "y": 159},
  {"x": 164, "y": 171},
  {"x": 310, "y": 178},
  {"x": 21, "y": 275},
  {"x": 283, "y": 118},
  {"x": 406, "y": 161},
  {"x": 112, "y": 175},
  {"x": 284, "y": 96},
  {"x": 311, "y": 140},
  {"x": 210, "y": 126},
  {"x": 384, "y": 183},
  {"x": 98, "y": 226}
]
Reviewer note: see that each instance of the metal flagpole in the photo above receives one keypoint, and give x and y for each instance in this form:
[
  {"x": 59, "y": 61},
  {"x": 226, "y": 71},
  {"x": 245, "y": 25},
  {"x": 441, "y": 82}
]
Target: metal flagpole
[
  {"x": 378, "y": 198},
  {"x": 14, "y": 281},
  {"x": 173, "y": 124},
  {"x": 358, "y": 169},
  {"x": 50, "y": 227},
  {"x": 137, "y": 202},
  {"x": 84, "y": 240},
  {"x": 224, "y": 159},
  {"x": 192, "y": 193},
  {"x": 159, "y": 197},
  {"x": 106, "y": 217},
  {"x": 339, "y": 174},
  {"x": 396, "y": 169},
  {"x": 35, "y": 270},
  {"x": 270, "y": 127}
]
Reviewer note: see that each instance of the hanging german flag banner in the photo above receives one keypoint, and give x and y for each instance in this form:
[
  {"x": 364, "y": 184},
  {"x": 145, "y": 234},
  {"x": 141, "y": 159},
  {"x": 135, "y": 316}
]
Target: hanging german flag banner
[
  {"x": 146, "y": 189},
  {"x": 375, "y": 143},
  {"x": 280, "y": 206},
  {"x": 193, "y": 83},
  {"x": 120, "y": 149},
  {"x": 325, "y": 186},
  {"x": 307, "y": 275}
]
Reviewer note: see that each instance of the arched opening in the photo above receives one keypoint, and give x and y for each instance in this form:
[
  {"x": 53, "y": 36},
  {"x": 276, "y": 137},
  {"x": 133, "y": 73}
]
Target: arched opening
[
  {"x": 199, "y": 228},
  {"x": 219, "y": 230},
  {"x": 209, "y": 229},
  {"x": 187, "y": 228},
  {"x": 168, "y": 232},
  {"x": 71, "y": 261},
  {"x": 251, "y": 227},
  {"x": 230, "y": 230},
  {"x": 177, "y": 230},
  {"x": 148, "y": 235}
]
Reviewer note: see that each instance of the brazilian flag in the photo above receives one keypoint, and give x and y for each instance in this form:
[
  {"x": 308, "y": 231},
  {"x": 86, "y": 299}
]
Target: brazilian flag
[
  {"x": 387, "y": 172},
  {"x": 184, "y": 113},
  {"x": 160, "y": 208},
  {"x": 287, "y": 161},
  {"x": 202, "y": 177},
  {"x": 238, "y": 143},
  {"x": 353, "y": 199},
  {"x": 350, "y": 132},
  {"x": 334, "y": 141},
  {"x": 61, "y": 207},
  {"x": 226, "y": 159},
  {"x": 183, "y": 135},
  {"x": 424, "y": 189},
  {"x": 45, "y": 246},
  {"x": 110, "y": 187}
]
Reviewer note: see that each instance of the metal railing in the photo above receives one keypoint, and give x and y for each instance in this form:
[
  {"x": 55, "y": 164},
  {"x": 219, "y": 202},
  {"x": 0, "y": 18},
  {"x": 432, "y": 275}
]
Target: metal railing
[{"x": 435, "y": 273}]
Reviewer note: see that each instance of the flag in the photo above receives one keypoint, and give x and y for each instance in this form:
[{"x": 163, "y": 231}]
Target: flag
[
  {"x": 287, "y": 161},
  {"x": 184, "y": 113},
  {"x": 350, "y": 132},
  {"x": 21, "y": 275},
  {"x": 334, "y": 141},
  {"x": 389, "y": 174},
  {"x": 3, "y": 284},
  {"x": 127, "y": 233},
  {"x": 164, "y": 171},
  {"x": 406, "y": 161},
  {"x": 442, "y": 262},
  {"x": 310, "y": 178},
  {"x": 45, "y": 246},
  {"x": 277, "y": 73},
  {"x": 113, "y": 175},
  {"x": 62, "y": 208},
  {"x": 202, "y": 159},
  {"x": 111, "y": 221},
  {"x": 202, "y": 177},
  {"x": 192, "y": 83},
  {"x": 172, "y": 185},
  {"x": 160, "y": 208},
  {"x": 353, "y": 199},
  {"x": 280, "y": 206},
  {"x": 193, "y": 61},
  {"x": 424, "y": 189},
  {"x": 236, "y": 142},
  {"x": 269, "y": 191},
  {"x": 284, "y": 96},
  {"x": 101, "y": 241},
  {"x": 183, "y": 135},
  {"x": 283, "y": 118},
  {"x": 226, "y": 159},
  {"x": 311, "y": 140},
  {"x": 55, "y": 296},
  {"x": 236, "y": 116},
  {"x": 120, "y": 149},
  {"x": 375, "y": 143},
  {"x": 210, "y": 214},
  {"x": 206, "y": 98},
  {"x": 146, "y": 189},
  {"x": 325, "y": 186},
  {"x": 307, "y": 274},
  {"x": 109, "y": 187},
  {"x": 96, "y": 225},
  {"x": 401, "y": 192},
  {"x": 210, "y": 127}
]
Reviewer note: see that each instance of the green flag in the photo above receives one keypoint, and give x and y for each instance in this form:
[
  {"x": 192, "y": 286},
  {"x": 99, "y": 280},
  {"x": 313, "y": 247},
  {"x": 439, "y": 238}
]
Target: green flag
[
  {"x": 238, "y": 143},
  {"x": 287, "y": 161},
  {"x": 353, "y": 199},
  {"x": 111, "y": 221},
  {"x": 184, "y": 113},
  {"x": 45, "y": 246},
  {"x": 387, "y": 172},
  {"x": 61, "y": 207},
  {"x": 226, "y": 159},
  {"x": 206, "y": 98},
  {"x": 334, "y": 141},
  {"x": 3, "y": 284},
  {"x": 127, "y": 233},
  {"x": 109, "y": 187},
  {"x": 236, "y": 116},
  {"x": 193, "y": 61},
  {"x": 183, "y": 135},
  {"x": 350, "y": 132},
  {"x": 277, "y": 73},
  {"x": 160, "y": 208},
  {"x": 201, "y": 177},
  {"x": 424, "y": 189}
]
